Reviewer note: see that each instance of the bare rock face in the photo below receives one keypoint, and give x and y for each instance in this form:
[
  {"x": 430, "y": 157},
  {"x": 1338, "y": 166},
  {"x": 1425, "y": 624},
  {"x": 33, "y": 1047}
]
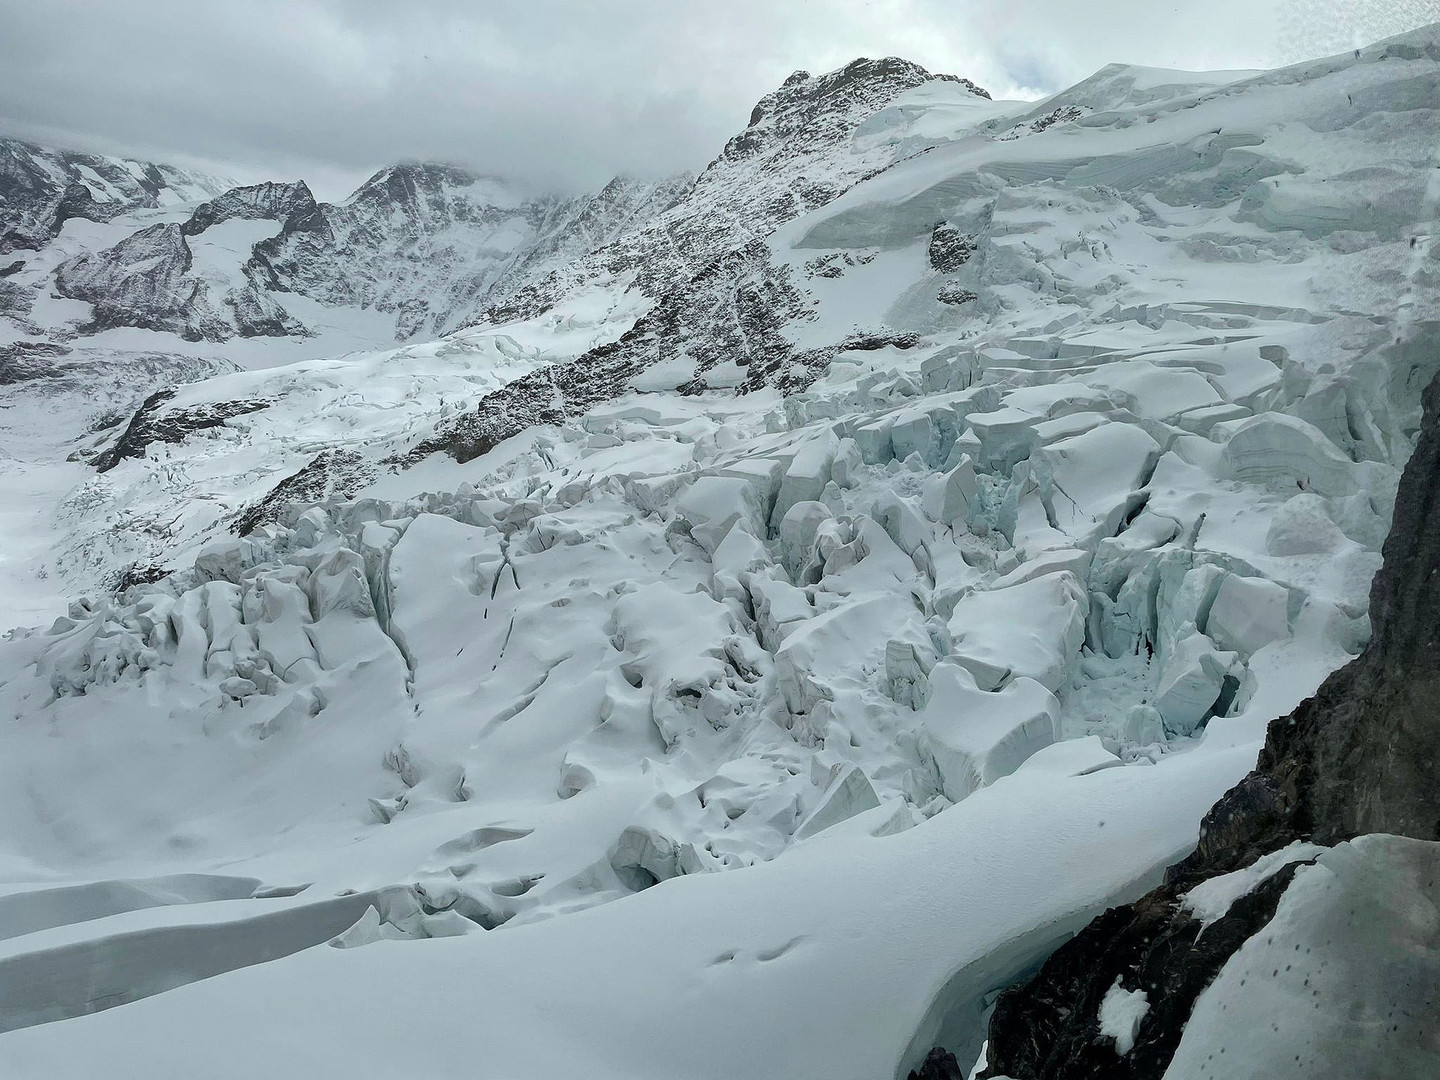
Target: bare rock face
[
  {"x": 950, "y": 249},
  {"x": 278, "y": 202},
  {"x": 158, "y": 421},
  {"x": 144, "y": 281},
  {"x": 1360, "y": 757}
]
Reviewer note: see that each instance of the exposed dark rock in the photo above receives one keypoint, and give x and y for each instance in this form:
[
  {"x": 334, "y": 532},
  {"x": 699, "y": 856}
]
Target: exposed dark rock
[
  {"x": 732, "y": 311},
  {"x": 257, "y": 314},
  {"x": 16, "y": 301},
  {"x": 339, "y": 473},
  {"x": 953, "y": 294},
  {"x": 730, "y": 314},
  {"x": 77, "y": 202},
  {"x": 21, "y": 361},
  {"x": 14, "y": 268},
  {"x": 154, "y": 422},
  {"x": 1062, "y": 115},
  {"x": 938, "y": 1065},
  {"x": 950, "y": 249},
  {"x": 1050, "y": 1026},
  {"x": 814, "y": 109},
  {"x": 140, "y": 574},
  {"x": 1361, "y": 756},
  {"x": 144, "y": 281},
  {"x": 273, "y": 201}
]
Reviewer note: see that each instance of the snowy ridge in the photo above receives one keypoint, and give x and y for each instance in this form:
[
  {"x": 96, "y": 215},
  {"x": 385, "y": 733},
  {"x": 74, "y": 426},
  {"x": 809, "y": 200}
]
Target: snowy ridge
[{"x": 834, "y": 631}]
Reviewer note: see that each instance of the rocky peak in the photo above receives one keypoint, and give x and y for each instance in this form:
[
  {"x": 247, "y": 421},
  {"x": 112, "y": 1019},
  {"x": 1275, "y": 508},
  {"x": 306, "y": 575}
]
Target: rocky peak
[
  {"x": 807, "y": 111},
  {"x": 797, "y": 153},
  {"x": 426, "y": 190},
  {"x": 402, "y": 181},
  {"x": 270, "y": 200}
]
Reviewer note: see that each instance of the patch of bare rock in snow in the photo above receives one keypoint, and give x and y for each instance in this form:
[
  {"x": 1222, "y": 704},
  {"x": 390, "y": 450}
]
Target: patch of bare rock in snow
[{"x": 818, "y": 644}]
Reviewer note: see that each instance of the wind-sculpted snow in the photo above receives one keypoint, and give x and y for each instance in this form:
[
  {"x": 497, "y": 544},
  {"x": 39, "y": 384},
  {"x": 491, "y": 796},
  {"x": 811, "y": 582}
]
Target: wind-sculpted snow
[{"x": 799, "y": 639}]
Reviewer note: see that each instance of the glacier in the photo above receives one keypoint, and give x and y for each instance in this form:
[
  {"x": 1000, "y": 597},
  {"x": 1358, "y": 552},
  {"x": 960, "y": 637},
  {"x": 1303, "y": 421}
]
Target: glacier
[{"x": 772, "y": 616}]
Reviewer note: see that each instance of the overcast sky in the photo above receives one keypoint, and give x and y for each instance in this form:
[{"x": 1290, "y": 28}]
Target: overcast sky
[{"x": 564, "y": 93}]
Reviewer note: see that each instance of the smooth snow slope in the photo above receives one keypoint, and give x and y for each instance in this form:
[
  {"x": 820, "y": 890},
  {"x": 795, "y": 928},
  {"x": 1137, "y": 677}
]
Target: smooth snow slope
[{"x": 730, "y": 734}]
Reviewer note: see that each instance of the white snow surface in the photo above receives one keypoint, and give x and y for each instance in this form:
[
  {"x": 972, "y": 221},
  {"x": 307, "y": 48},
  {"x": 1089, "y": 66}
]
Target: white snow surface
[
  {"x": 1210, "y": 901},
  {"x": 721, "y": 734},
  {"x": 1121, "y": 1012},
  {"x": 1341, "y": 981}
]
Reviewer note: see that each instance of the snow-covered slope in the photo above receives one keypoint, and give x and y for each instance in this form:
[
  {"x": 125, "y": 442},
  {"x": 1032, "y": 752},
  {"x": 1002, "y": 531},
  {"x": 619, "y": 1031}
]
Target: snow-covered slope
[{"x": 889, "y": 590}]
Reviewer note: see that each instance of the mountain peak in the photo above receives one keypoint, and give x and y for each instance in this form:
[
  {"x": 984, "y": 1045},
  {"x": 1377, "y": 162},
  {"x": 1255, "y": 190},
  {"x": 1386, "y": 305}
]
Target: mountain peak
[
  {"x": 864, "y": 80},
  {"x": 809, "y": 108}
]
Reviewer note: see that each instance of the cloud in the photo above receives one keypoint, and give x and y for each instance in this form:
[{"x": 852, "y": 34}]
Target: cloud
[{"x": 561, "y": 93}]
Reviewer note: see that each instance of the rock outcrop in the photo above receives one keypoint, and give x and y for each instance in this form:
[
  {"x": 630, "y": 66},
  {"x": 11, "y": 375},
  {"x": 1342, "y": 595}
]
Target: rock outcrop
[
  {"x": 144, "y": 281},
  {"x": 286, "y": 203},
  {"x": 156, "y": 422}
]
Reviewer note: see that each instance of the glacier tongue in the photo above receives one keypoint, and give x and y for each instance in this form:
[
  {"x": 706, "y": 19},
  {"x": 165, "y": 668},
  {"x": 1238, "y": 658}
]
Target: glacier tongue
[{"x": 1060, "y": 464}]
